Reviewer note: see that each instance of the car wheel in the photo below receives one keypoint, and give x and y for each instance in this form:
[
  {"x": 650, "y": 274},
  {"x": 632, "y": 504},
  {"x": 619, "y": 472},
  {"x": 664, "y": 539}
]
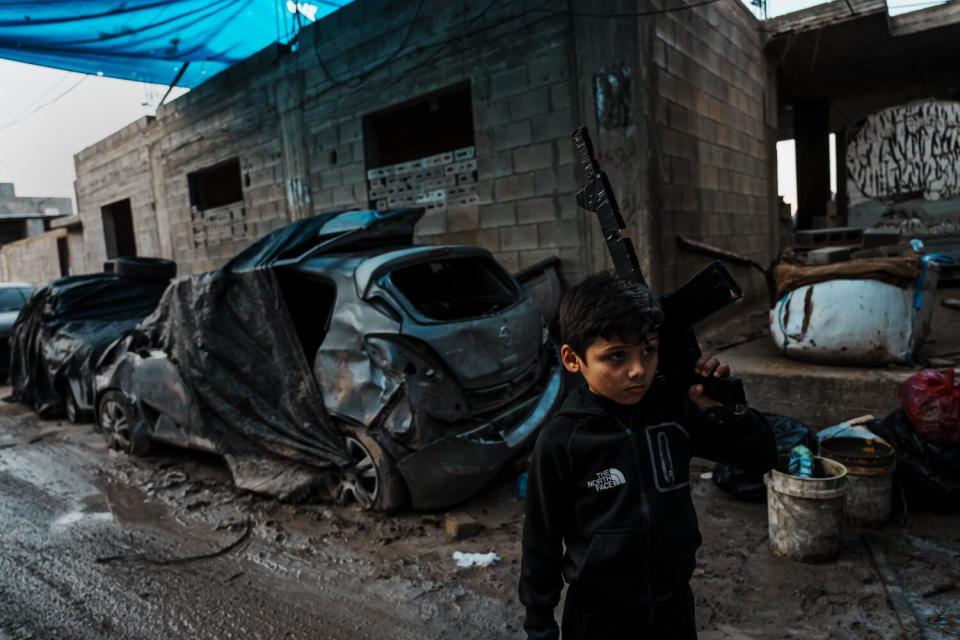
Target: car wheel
[
  {"x": 116, "y": 420},
  {"x": 371, "y": 479},
  {"x": 150, "y": 269}
]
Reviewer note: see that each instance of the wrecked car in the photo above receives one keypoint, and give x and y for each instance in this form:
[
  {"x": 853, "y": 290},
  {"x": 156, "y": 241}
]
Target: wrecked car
[
  {"x": 66, "y": 325},
  {"x": 409, "y": 374},
  {"x": 13, "y": 295}
]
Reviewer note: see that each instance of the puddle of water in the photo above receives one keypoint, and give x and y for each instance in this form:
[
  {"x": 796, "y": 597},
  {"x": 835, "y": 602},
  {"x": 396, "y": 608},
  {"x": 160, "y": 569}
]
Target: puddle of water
[{"x": 131, "y": 505}]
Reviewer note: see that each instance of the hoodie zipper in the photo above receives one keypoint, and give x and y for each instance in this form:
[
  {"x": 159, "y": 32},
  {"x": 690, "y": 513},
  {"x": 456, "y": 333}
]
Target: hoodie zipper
[{"x": 645, "y": 512}]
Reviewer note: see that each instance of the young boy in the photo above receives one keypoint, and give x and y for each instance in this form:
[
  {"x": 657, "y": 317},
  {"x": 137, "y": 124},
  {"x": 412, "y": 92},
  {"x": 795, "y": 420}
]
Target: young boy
[{"x": 608, "y": 500}]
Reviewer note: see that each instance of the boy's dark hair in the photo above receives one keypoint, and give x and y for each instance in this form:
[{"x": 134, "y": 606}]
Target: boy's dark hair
[{"x": 604, "y": 306}]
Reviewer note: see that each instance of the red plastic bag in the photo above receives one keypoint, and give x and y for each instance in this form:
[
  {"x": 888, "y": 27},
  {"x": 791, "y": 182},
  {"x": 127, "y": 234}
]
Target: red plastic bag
[{"x": 931, "y": 402}]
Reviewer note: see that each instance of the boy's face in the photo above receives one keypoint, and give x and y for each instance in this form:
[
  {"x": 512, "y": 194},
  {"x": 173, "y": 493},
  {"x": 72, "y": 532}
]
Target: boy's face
[{"x": 618, "y": 369}]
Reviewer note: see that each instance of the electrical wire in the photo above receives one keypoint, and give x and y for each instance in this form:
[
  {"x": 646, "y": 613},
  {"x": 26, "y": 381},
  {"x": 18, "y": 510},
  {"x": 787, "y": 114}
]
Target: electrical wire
[
  {"x": 43, "y": 95},
  {"x": 359, "y": 78},
  {"x": 44, "y": 105},
  {"x": 628, "y": 14}
]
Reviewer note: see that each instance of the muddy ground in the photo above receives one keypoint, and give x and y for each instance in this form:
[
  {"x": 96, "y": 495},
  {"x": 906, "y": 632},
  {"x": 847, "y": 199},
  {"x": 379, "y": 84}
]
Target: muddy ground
[{"x": 96, "y": 544}]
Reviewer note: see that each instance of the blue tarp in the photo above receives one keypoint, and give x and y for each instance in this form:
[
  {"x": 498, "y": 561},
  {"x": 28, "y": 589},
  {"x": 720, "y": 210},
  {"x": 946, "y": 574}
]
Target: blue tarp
[{"x": 149, "y": 40}]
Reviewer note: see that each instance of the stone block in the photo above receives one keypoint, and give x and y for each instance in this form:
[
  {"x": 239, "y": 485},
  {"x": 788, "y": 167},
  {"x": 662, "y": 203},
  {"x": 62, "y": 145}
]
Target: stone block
[
  {"x": 485, "y": 191},
  {"x": 494, "y": 114},
  {"x": 487, "y": 238},
  {"x": 533, "y": 256},
  {"x": 498, "y": 215},
  {"x": 549, "y": 69},
  {"x": 568, "y": 208},
  {"x": 536, "y": 210},
  {"x": 350, "y": 131},
  {"x": 518, "y": 238},
  {"x": 510, "y": 82},
  {"x": 558, "y": 124},
  {"x": 495, "y": 165},
  {"x": 560, "y": 96},
  {"x": 514, "y": 187},
  {"x": 326, "y": 138},
  {"x": 562, "y": 233},
  {"x": 515, "y": 134},
  {"x": 565, "y": 151},
  {"x": 509, "y": 260},
  {"x": 433, "y": 222},
  {"x": 530, "y": 103},
  {"x": 534, "y": 157},
  {"x": 354, "y": 173},
  {"x": 463, "y": 218},
  {"x": 545, "y": 181}
]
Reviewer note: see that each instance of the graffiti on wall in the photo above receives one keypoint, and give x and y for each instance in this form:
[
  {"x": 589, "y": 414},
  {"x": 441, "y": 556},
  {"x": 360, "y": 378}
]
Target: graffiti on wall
[
  {"x": 612, "y": 96},
  {"x": 909, "y": 151}
]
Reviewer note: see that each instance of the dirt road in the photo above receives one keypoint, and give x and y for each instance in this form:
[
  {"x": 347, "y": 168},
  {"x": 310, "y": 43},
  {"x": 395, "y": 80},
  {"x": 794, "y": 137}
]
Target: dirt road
[{"x": 100, "y": 545}]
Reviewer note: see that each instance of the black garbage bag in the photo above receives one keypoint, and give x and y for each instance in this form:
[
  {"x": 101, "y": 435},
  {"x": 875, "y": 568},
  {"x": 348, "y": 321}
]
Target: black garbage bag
[
  {"x": 64, "y": 328},
  {"x": 748, "y": 486},
  {"x": 928, "y": 473}
]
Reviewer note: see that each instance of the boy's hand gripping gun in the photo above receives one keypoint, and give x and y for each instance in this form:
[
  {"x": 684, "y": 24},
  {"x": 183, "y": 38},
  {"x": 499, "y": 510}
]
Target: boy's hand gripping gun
[{"x": 707, "y": 292}]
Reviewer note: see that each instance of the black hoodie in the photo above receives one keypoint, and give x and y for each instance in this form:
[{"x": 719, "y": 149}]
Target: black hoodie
[{"x": 611, "y": 484}]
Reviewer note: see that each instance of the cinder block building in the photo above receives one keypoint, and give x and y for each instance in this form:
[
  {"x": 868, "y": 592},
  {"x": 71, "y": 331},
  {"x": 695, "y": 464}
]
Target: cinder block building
[
  {"x": 27, "y": 251},
  {"x": 468, "y": 110}
]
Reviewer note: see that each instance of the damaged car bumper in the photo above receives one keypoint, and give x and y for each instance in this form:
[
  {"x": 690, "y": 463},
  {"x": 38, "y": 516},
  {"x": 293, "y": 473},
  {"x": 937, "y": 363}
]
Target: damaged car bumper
[{"x": 458, "y": 466}]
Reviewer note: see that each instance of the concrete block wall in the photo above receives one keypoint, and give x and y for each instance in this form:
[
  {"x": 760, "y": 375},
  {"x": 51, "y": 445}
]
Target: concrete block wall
[
  {"x": 517, "y": 65},
  {"x": 11, "y": 203},
  {"x": 715, "y": 161},
  {"x": 233, "y": 115},
  {"x": 33, "y": 259},
  {"x": 117, "y": 168},
  {"x": 294, "y": 119}
]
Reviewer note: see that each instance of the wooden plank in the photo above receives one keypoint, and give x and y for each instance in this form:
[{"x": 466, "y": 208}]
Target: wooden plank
[
  {"x": 896, "y": 596},
  {"x": 925, "y": 19},
  {"x": 821, "y": 15}
]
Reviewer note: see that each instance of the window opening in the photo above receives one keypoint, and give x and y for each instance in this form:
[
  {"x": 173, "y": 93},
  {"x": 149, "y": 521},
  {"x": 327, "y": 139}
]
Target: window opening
[
  {"x": 422, "y": 153},
  {"x": 216, "y": 186},
  {"x": 11, "y": 299},
  {"x": 455, "y": 289},
  {"x": 118, "y": 230}
]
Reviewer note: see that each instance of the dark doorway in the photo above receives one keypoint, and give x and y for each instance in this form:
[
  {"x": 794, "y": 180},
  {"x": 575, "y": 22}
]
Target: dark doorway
[
  {"x": 63, "y": 255},
  {"x": 118, "y": 230}
]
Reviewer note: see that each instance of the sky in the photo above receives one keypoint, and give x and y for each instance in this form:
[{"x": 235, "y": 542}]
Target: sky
[{"x": 48, "y": 115}]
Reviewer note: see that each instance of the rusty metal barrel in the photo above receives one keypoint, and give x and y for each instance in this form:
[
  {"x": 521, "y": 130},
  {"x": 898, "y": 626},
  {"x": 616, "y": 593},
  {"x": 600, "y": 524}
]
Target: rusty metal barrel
[
  {"x": 870, "y": 464},
  {"x": 805, "y": 515}
]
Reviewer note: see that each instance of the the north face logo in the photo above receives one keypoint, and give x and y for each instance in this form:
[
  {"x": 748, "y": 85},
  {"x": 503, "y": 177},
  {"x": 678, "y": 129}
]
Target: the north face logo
[{"x": 607, "y": 479}]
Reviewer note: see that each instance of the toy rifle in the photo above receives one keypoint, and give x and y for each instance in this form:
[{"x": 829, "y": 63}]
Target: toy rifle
[{"x": 707, "y": 292}]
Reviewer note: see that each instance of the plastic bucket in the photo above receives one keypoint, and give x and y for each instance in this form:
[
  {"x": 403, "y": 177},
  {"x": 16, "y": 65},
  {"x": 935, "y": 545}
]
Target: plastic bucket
[
  {"x": 870, "y": 465},
  {"x": 805, "y": 514}
]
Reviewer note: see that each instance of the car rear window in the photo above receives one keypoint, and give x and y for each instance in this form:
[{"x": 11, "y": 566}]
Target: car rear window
[
  {"x": 456, "y": 288},
  {"x": 11, "y": 299}
]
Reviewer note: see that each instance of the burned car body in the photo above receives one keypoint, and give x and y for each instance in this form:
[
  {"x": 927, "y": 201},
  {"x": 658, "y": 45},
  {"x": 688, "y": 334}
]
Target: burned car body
[
  {"x": 66, "y": 325},
  {"x": 13, "y": 296},
  {"x": 431, "y": 362}
]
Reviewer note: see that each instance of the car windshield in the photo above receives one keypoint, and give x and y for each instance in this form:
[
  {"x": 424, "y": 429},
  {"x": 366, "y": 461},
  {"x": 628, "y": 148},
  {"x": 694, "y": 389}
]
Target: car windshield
[
  {"x": 455, "y": 288},
  {"x": 13, "y": 299}
]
